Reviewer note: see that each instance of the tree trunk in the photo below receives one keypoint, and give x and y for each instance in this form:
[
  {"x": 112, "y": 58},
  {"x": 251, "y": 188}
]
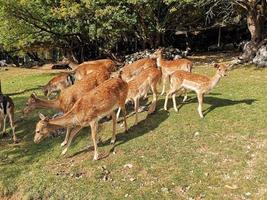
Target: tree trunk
[{"x": 255, "y": 23}]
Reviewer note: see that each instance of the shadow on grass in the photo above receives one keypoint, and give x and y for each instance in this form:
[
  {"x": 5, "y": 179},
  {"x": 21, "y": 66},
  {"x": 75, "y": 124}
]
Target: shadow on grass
[
  {"x": 24, "y": 91},
  {"x": 216, "y": 102},
  {"x": 148, "y": 124}
]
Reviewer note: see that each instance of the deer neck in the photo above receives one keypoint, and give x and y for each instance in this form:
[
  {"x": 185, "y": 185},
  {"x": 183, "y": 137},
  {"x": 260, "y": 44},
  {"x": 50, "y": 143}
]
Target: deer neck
[
  {"x": 159, "y": 59},
  {"x": 67, "y": 120},
  {"x": 48, "y": 103},
  {"x": 214, "y": 80}
]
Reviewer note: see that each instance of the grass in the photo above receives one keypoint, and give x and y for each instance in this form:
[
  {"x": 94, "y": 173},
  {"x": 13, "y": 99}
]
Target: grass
[{"x": 173, "y": 155}]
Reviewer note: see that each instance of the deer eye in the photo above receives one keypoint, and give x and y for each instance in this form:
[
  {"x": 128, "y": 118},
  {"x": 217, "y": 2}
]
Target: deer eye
[{"x": 38, "y": 131}]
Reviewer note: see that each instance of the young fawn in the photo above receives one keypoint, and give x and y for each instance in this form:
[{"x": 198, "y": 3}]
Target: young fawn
[
  {"x": 168, "y": 67},
  {"x": 139, "y": 87},
  {"x": 7, "y": 108},
  {"x": 198, "y": 83},
  {"x": 87, "y": 111}
]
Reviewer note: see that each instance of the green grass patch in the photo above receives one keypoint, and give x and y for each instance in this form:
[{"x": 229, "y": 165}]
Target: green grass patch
[{"x": 173, "y": 155}]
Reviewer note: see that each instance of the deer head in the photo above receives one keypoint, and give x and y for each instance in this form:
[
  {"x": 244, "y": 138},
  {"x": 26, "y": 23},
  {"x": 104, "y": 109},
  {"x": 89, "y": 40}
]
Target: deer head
[
  {"x": 30, "y": 104},
  {"x": 221, "y": 69},
  {"x": 42, "y": 129},
  {"x": 156, "y": 54}
]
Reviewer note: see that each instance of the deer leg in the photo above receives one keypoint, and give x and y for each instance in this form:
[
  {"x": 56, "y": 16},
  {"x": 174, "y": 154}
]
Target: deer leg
[
  {"x": 93, "y": 133},
  {"x": 174, "y": 102},
  {"x": 185, "y": 96},
  {"x": 114, "y": 122},
  {"x": 11, "y": 121},
  {"x": 4, "y": 124},
  {"x": 200, "y": 102},
  {"x": 152, "y": 107},
  {"x": 66, "y": 138},
  {"x": 73, "y": 133},
  {"x": 124, "y": 117},
  {"x": 172, "y": 90},
  {"x": 118, "y": 112},
  {"x": 136, "y": 106},
  {"x": 164, "y": 79}
]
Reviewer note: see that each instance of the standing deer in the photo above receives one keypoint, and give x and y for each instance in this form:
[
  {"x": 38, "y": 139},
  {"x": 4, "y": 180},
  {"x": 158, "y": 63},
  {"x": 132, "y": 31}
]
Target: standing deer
[
  {"x": 7, "y": 108},
  {"x": 131, "y": 70},
  {"x": 87, "y": 111},
  {"x": 67, "y": 97},
  {"x": 170, "y": 66},
  {"x": 198, "y": 83},
  {"x": 139, "y": 87}
]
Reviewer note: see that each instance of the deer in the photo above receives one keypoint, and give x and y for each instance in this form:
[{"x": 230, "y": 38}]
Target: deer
[
  {"x": 170, "y": 66},
  {"x": 131, "y": 70},
  {"x": 87, "y": 111},
  {"x": 58, "y": 83},
  {"x": 139, "y": 87},
  {"x": 102, "y": 65},
  {"x": 198, "y": 83},
  {"x": 67, "y": 97},
  {"x": 7, "y": 109},
  {"x": 109, "y": 64}
]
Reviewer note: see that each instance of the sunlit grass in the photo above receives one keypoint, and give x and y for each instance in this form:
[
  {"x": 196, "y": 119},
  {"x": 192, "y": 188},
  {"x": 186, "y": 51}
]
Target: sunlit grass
[{"x": 173, "y": 155}]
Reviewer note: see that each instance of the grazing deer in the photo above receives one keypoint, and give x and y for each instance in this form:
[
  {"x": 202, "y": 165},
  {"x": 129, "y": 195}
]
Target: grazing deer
[
  {"x": 170, "y": 66},
  {"x": 131, "y": 70},
  {"x": 139, "y": 87},
  {"x": 58, "y": 83},
  {"x": 7, "y": 108},
  {"x": 67, "y": 97},
  {"x": 198, "y": 83},
  {"x": 87, "y": 111}
]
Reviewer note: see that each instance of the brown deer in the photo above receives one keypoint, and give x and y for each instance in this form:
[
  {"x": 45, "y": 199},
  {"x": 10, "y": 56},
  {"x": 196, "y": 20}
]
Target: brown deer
[
  {"x": 87, "y": 111},
  {"x": 67, "y": 97},
  {"x": 104, "y": 65},
  {"x": 170, "y": 66},
  {"x": 133, "y": 69},
  {"x": 7, "y": 108},
  {"x": 198, "y": 83},
  {"x": 58, "y": 83},
  {"x": 139, "y": 87}
]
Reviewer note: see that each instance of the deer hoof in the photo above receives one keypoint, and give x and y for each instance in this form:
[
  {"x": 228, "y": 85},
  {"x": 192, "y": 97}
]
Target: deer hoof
[
  {"x": 64, "y": 152},
  {"x": 63, "y": 143},
  {"x": 95, "y": 157},
  {"x": 112, "y": 141}
]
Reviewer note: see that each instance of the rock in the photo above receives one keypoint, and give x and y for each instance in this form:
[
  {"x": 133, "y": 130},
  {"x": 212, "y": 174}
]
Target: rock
[
  {"x": 261, "y": 57},
  {"x": 128, "y": 166},
  {"x": 169, "y": 53},
  {"x": 165, "y": 190}
]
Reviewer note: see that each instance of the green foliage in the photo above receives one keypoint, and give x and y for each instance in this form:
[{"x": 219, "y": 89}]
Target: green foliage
[{"x": 69, "y": 25}]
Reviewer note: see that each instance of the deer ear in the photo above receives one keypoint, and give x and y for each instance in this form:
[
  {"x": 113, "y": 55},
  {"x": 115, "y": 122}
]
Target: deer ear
[
  {"x": 33, "y": 95},
  {"x": 216, "y": 65},
  {"x": 42, "y": 117}
]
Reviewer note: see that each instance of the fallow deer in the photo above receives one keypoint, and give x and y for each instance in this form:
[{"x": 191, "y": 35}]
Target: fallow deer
[
  {"x": 103, "y": 65},
  {"x": 58, "y": 83},
  {"x": 198, "y": 83},
  {"x": 87, "y": 111},
  {"x": 133, "y": 69},
  {"x": 140, "y": 85},
  {"x": 7, "y": 108},
  {"x": 67, "y": 97},
  {"x": 109, "y": 64},
  {"x": 170, "y": 66}
]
